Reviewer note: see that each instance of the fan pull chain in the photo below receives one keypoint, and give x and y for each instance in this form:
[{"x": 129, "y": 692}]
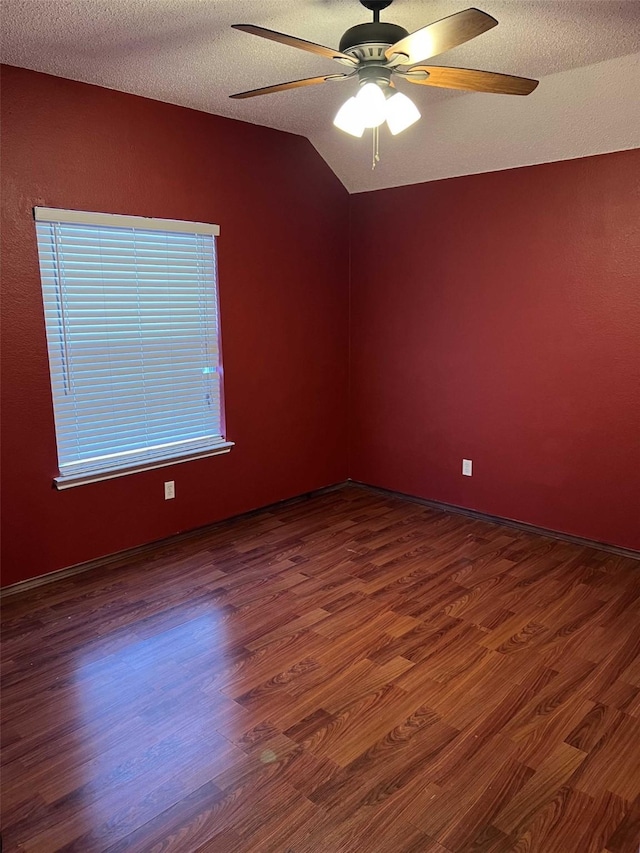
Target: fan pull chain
[{"x": 375, "y": 158}]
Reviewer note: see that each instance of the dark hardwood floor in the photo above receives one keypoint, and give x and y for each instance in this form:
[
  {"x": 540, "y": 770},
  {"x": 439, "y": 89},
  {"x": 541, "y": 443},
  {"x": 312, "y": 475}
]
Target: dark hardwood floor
[{"x": 351, "y": 672}]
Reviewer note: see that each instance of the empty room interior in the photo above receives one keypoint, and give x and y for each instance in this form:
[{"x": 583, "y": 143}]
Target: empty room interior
[{"x": 320, "y": 426}]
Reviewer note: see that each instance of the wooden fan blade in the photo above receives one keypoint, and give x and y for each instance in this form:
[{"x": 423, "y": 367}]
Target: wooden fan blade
[
  {"x": 295, "y": 84},
  {"x": 441, "y": 35},
  {"x": 292, "y": 41},
  {"x": 469, "y": 80}
]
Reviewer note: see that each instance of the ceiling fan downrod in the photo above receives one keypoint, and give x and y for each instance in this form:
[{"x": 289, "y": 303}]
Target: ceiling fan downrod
[
  {"x": 368, "y": 41},
  {"x": 376, "y": 6}
]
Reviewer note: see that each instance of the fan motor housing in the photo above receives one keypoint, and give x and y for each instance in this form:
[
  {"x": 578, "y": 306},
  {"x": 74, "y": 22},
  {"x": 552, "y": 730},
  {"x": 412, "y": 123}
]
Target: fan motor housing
[{"x": 372, "y": 33}]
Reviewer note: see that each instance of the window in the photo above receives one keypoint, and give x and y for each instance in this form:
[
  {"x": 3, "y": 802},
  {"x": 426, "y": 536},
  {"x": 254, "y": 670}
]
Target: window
[{"x": 131, "y": 311}]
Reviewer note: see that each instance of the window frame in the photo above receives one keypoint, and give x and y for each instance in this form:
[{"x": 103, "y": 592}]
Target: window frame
[{"x": 52, "y": 216}]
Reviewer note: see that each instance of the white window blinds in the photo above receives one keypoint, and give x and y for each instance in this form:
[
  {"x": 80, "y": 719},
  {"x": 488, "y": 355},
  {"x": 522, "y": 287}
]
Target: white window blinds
[{"x": 132, "y": 323}]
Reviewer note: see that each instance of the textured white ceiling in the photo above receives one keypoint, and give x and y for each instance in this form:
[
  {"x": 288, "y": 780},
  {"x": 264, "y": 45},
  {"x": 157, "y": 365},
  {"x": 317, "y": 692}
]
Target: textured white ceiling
[{"x": 585, "y": 52}]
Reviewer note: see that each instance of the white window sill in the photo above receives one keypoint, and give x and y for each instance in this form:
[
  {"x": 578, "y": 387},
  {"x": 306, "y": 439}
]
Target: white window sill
[{"x": 71, "y": 481}]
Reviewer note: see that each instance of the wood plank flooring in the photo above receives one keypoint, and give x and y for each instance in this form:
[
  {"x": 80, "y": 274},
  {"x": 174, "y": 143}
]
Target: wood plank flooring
[{"x": 349, "y": 672}]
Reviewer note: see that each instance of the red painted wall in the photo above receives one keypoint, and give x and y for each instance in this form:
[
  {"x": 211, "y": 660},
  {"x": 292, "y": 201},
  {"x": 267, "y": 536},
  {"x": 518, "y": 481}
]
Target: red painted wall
[
  {"x": 283, "y": 267},
  {"x": 496, "y": 317}
]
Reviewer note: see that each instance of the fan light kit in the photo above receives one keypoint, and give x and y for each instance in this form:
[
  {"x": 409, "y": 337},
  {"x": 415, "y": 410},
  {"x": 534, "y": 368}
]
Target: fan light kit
[
  {"x": 377, "y": 51},
  {"x": 372, "y": 106}
]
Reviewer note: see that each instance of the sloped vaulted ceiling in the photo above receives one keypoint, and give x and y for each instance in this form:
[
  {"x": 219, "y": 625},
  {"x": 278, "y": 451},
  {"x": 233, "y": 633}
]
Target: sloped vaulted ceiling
[{"x": 585, "y": 52}]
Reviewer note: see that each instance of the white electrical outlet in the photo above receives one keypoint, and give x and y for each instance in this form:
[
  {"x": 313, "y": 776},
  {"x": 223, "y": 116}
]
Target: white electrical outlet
[
  {"x": 169, "y": 490},
  {"x": 466, "y": 467}
]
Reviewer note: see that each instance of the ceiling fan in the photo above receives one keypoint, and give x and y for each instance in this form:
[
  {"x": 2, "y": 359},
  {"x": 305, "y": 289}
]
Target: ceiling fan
[{"x": 377, "y": 51}]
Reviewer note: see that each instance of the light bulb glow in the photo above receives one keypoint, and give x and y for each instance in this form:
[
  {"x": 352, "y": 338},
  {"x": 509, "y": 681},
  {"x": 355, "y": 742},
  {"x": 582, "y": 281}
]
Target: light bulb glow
[
  {"x": 401, "y": 113},
  {"x": 349, "y": 118},
  {"x": 372, "y": 104}
]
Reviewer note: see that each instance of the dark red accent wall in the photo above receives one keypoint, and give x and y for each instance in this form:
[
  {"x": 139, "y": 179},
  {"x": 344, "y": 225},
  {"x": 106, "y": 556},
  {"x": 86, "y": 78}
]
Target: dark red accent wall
[
  {"x": 496, "y": 317},
  {"x": 283, "y": 268}
]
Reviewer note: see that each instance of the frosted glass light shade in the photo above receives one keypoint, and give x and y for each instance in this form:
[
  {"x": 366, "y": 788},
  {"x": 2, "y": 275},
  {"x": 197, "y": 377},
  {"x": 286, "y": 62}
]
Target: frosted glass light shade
[
  {"x": 401, "y": 113},
  {"x": 373, "y": 104},
  {"x": 371, "y": 107},
  {"x": 349, "y": 118}
]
